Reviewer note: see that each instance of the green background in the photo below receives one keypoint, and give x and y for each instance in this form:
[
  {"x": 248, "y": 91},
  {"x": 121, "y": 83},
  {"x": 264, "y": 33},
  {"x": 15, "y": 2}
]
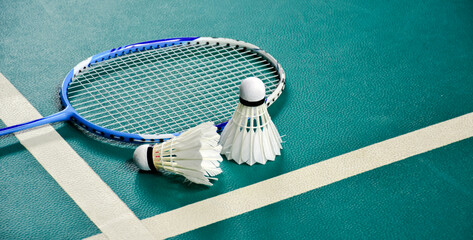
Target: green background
[{"x": 358, "y": 72}]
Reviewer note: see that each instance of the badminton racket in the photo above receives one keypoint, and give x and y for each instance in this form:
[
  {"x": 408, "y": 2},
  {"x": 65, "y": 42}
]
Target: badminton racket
[{"x": 151, "y": 91}]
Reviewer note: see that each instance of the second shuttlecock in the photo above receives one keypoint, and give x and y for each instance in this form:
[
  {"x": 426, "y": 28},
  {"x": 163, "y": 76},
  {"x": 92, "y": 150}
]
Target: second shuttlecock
[
  {"x": 250, "y": 136},
  {"x": 195, "y": 154}
]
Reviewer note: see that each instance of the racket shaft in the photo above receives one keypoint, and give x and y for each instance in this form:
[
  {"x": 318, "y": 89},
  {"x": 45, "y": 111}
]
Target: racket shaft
[{"x": 60, "y": 116}]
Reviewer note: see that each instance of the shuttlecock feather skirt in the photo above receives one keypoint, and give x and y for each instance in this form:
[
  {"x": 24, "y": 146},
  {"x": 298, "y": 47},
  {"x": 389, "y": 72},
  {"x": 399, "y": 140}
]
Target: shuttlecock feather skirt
[
  {"x": 250, "y": 136},
  {"x": 195, "y": 154}
]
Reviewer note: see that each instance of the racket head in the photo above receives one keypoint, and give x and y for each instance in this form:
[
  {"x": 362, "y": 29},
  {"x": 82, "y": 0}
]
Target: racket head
[{"x": 161, "y": 55}]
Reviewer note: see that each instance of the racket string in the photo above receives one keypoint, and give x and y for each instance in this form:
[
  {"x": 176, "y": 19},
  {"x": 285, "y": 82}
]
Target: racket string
[
  {"x": 164, "y": 93},
  {"x": 189, "y": 87},
  {"x": 78, "y": 95},
  {"x": 94, "y": 96}
]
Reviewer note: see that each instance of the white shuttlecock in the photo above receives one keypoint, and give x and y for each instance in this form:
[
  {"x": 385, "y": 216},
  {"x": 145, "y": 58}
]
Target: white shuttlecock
[
  {"x": 195, "y": 154},
  {"x": 250, "y": 136}
]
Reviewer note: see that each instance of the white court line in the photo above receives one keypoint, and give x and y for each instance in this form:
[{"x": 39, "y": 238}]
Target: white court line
[
  {"x": 297, "y": 182},
  {"x": 71, "y": 172},
  {"x": 300, "y": 181}
]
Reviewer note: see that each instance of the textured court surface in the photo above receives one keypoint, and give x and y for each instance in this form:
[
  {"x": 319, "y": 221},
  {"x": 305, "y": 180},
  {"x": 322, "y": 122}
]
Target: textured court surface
[{"x": 358, "y": 73}]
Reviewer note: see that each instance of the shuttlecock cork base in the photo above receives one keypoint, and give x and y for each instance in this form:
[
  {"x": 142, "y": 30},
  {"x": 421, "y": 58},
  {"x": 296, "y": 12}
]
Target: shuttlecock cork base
[
  {"x": 250, "y": 136},
  {"x": 195, "y": 154}
]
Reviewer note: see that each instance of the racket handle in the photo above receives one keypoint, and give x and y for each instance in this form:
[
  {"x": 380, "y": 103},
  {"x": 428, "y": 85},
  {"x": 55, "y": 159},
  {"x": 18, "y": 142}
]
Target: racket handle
[{"x": 60, "y": 116}]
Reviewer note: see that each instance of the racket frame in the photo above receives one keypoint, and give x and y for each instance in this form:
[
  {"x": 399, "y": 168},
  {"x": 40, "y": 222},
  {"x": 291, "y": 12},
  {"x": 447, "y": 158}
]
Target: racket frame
[{"x": 69, "y": 113}]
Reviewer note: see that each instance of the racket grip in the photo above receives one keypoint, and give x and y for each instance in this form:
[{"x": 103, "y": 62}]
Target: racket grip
[{"x": 60, "y": 116}]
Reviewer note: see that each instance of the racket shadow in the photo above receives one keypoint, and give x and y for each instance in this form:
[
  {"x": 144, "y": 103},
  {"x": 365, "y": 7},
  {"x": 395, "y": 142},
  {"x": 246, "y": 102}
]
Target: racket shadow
[
  {"x": 276, "y": 107},
  {"x": 33, "y": 140},
  {"x": 10, "y": 149},
  {"x": 71, "y": 132}
]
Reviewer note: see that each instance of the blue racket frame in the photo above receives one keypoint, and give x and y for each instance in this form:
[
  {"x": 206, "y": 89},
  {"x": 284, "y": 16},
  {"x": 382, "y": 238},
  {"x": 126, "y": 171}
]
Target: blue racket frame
[{"x": 69, "y": 113}]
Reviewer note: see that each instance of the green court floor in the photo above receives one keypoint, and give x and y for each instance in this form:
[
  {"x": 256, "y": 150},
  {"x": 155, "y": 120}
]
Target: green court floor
[{"x": 358, "y": 73}]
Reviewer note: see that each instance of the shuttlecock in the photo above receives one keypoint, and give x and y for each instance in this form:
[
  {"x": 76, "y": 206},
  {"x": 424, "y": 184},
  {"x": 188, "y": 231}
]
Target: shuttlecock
[
  {"x": 195, "y": 154},
  {"x": 250, "y": 136}
]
